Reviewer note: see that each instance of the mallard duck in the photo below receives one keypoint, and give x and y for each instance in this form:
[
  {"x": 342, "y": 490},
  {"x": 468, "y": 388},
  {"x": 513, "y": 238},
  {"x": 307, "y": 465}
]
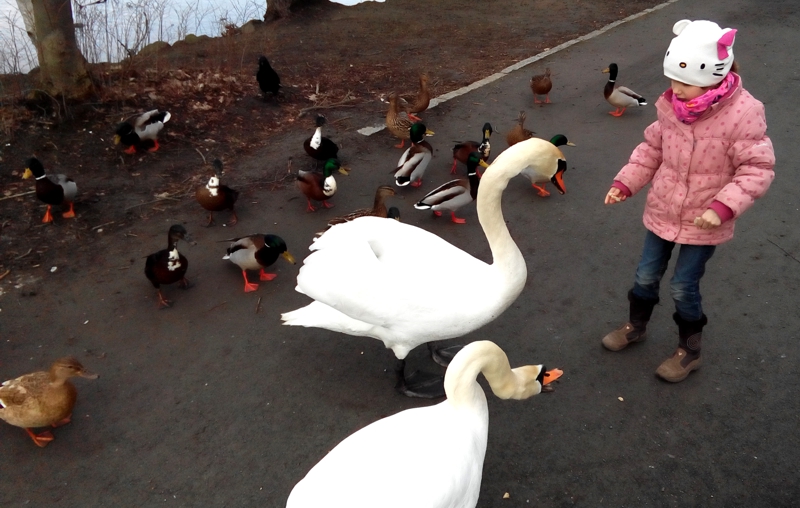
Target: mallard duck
[
  {"x": 215, "y": 197},
  {"x": 378, "y": 207},
  {"x": 52, "y": 189},
  {"x": 398, "y": 125},
  {"x": 168, "y": 266},
  {"x": 318, "y": 186},
  {"x": 541, "y": 84},
  {"x": 440, "y": 449},
  {"x": 433, "y": 298},
  {"x": 455, "y": 193},
  {"x": 268, "y": 79},
  {"x": 462, "y": 150},
  {"x": 318, "y": 146},
  {"x": 553, "y": 170},
  {"x": 42, "y": 399},
  {"x": 421, "y": 101},
  {"x": 142, "y": 135},
  {"x": 620, "y": 97},
  {"x": 414, "y": 161},
  {"x": 519, "y": 132},
  {"x": 256, "y": 252}
]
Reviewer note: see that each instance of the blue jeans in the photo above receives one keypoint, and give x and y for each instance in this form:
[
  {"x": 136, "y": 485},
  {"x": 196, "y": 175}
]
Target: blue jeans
[{"x": 685, "y": 284}]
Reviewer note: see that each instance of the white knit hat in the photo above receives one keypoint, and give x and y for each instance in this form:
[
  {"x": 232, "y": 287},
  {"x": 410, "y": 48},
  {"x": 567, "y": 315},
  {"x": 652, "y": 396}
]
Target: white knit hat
[{"x": 701, "y": 54}]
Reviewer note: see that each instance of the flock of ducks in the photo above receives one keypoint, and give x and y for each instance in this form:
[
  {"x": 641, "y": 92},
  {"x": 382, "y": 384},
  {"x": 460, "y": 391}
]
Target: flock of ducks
[{"x": 444, "y": 444}]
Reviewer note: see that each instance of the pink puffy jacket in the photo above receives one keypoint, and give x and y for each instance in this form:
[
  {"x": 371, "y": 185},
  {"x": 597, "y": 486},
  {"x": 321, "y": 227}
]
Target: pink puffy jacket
[{"x": 724, "y": 157}]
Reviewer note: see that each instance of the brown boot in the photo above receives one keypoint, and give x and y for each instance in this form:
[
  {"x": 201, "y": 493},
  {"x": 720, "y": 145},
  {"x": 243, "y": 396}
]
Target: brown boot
[
  {"x": 635, "y": 330},
  {"x": 687, "y": 357},
  {"x": 624, "y": 335}
]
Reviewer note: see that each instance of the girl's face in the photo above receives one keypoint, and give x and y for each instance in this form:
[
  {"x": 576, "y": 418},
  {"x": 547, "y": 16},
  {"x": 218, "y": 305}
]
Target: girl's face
[{"x": 686, "y": 92}]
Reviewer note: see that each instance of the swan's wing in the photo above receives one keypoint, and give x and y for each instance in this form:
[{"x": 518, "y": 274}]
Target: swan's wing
[{"x": 367, "y": 269}]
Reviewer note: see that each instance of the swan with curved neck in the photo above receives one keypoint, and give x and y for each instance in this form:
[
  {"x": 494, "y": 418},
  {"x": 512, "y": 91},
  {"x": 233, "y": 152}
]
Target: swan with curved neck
[
  {"x": 443, "y": 445},
  {"x": 405, "y": 286}
]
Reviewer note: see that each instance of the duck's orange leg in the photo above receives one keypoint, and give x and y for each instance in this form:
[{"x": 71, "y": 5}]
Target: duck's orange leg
[
  {"x": 437, "y": 213},
  {"x": 412, "y": 116},
  {"x": 155, "y": 146},
  {"x": 541, "y": 190},
  {"x": 71, "y": 213},
  {"x": 310, "y": 207},
  {"x": 234, "y": 219},
  {"x": 453, "y": 169},
  {"x": 248, "y": 286},
  {"x": 130, "y": 150},
  {"x": 163, "y": 303},
  {"x": 457, "y": 220},
  {"x": 42, "y": 439},
  {"x": 326, "y": 204},
  {"x": 618, "y": 112},
  {"x": 417, "y": 183},
  {"x": 48, "y": 217},
  {"x": 402, "y": 143},
  {"x": 267, "y": 276}
]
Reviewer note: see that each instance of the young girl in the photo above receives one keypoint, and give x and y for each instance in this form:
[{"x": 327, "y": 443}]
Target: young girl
[{"x": 708, "y": 158}]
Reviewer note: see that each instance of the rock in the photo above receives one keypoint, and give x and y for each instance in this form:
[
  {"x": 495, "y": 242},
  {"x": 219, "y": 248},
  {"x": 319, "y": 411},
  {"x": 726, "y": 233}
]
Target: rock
[
  {"x": 153, "y": 48},
  {"x": 251, "y": 26}
]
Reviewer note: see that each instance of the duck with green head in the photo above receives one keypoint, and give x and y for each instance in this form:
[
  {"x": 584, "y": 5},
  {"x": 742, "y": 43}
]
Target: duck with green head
[
  {"x": 415, "y": 159},
  {"x": 455, "y": 193},
  {"x": 318, "y": 186},
  {"x": 256, "y": 252}
]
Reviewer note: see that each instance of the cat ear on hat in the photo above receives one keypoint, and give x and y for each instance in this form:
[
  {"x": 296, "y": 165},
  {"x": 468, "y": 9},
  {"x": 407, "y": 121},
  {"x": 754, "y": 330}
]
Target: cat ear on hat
[{"x": 678, "y": 27}]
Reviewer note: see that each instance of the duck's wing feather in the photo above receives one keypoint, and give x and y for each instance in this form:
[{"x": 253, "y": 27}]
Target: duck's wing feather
[
  {"x": 446, "y": 192},
  {"x": 627, "y": 91}
]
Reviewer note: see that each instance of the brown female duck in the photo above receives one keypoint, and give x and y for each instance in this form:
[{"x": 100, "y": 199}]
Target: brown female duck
[
  {"x": 42, "y": 399},
  {"x": 421, "y": 101},
  {"x": 519, "y": 132},
  {"x": 541, "y": 84}
]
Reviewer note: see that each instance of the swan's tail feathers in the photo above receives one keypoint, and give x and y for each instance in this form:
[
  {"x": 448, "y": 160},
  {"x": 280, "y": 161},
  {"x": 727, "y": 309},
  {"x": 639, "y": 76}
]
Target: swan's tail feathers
[{"x": 319, "y": 315}]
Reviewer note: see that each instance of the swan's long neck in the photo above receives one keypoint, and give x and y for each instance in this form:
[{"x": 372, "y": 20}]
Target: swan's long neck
[
  {"x": 505, "y": 253},
  {"x": 485, "y": 357}
]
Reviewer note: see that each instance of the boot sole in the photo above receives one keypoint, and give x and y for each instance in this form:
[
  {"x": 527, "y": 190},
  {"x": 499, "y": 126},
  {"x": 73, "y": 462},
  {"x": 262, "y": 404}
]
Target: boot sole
[
  {"x": 684, "y": 374},
  {"x": 615, "y": 347}
]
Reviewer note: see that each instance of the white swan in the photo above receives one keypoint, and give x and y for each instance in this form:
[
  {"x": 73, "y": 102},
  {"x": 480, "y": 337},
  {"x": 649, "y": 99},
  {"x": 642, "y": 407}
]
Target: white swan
[
  {"x": 436, "y": 291},
  {"x": 443, "y": 445}
]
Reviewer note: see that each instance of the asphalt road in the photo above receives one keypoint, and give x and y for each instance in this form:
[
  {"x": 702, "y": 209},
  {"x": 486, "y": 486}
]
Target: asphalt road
[{"x": 212, "y": 403}]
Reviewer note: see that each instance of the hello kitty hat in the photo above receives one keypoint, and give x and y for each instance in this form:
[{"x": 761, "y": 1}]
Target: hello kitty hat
[{"x": 701, "y": 54}]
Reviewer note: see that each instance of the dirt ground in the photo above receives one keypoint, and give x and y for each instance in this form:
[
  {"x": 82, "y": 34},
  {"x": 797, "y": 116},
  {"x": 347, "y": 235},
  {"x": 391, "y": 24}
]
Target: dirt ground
[{"x": 338, "y": 60}]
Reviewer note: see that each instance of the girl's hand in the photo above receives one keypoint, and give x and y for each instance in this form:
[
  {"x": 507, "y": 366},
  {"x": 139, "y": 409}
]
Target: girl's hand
[
  {"x": 615, "y": 196},
  {"x": 709, "y": 220}
]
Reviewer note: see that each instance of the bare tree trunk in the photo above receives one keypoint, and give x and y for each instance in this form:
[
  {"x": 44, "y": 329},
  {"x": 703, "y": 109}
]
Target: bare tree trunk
[{"x": 64, "y": 72}]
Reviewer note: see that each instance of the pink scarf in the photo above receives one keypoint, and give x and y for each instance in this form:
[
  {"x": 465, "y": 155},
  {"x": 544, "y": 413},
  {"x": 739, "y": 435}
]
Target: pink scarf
[{"x": 690, "y": 111}]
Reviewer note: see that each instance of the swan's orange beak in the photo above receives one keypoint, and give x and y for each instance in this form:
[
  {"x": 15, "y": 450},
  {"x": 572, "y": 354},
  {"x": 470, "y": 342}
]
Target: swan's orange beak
[{"x": 551, "y": 375}]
